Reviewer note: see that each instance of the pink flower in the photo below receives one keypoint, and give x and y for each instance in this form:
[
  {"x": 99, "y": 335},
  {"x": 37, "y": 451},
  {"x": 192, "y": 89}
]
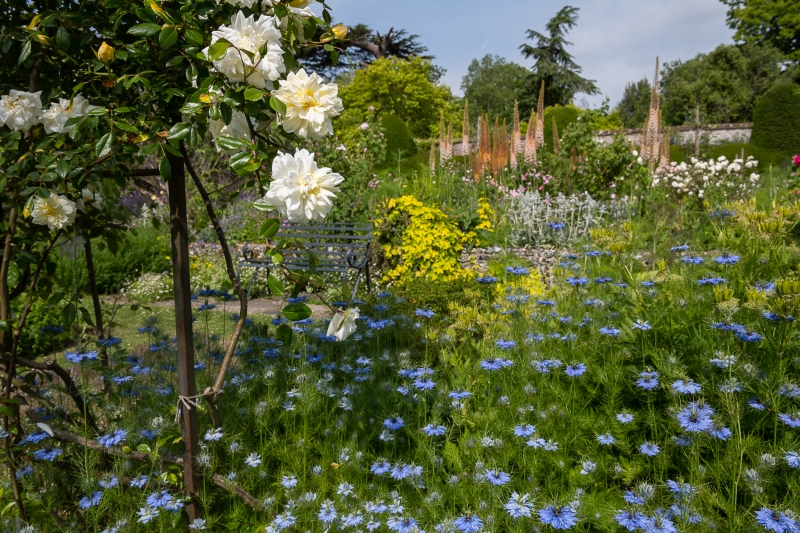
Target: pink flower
[
  {"x": 364, "y": 126},
  {"x": 796, "y": 160},
  {"x": 371, "y": 108},
  {"x": 613, "y": 196},
  {"x": 541, "y": 187}
]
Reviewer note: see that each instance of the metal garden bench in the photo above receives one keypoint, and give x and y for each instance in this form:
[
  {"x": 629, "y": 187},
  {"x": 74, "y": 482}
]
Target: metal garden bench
[{"x": 338, "y": 248}]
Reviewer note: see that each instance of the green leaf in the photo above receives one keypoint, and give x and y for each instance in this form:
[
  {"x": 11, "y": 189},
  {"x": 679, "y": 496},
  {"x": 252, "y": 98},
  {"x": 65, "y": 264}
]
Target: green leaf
[
  {"x": 334, "y": 57},
  {"x": 217, "y": 50},
  {"x": 168, "y": 37},
  {"x": 145, "y": 30},
  {"x": 269, "y": 228},
  {"x": 62, "y": 168},
  {"x": 226, "y": 112},
  {"x": 68, "y": 314},
  {"x": 284, "y": 334},
  {"x": 4, "y": 326},
  {"x": 278, "y": 106},
  {"x": 85, "y": 315},
  {"x": 124, "y": 126},
  {"x": 229, "y": 143},
  {"x": 104, "y": 145},
  {"x": 192, "y": 108},
  {"x": 275, "y": 285},
  {"x": 165, "y": 169},
  {"x": 13, "y": 274},
  {"x": 144, "y": 448},
  {"x": 194, "y": 37},
  {"x": 179, "y": 131},
  {"x": 251, "y": 94},
  {"x": 243, "y": 163},
  {"x": 25, "y": 53},
  {"x": 263, "y": 205},
  {"x": 62, "y": 39}
]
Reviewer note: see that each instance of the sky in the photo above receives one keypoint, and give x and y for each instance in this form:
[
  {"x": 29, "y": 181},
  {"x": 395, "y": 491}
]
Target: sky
[{"x": 615, "y": 41}]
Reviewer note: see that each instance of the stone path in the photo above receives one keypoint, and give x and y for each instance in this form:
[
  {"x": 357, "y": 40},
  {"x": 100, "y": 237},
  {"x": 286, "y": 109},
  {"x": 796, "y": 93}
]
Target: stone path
[{"x": 257, "y": 306}]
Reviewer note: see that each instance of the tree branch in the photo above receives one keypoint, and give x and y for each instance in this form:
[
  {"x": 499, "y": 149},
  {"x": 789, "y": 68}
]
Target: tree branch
[{"x": 216, "y": 388}]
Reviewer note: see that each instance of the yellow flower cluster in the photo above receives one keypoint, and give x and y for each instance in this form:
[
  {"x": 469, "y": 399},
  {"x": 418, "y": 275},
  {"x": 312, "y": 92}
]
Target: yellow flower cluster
[
  {"x": 485, "y": 216},
  {"x": 418, "y": 241}
]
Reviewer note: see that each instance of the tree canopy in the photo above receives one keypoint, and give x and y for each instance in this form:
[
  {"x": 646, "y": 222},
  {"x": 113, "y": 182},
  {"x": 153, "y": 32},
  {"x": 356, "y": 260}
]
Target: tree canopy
[
  {"x": 492, "y": 84},
  {"x": 554, "y": 65},
  {"x": 362, "y": 45},
  {"x": 773, "y": 22},
  {"x": 635, "y": 104},
  {"x": 407, "y": 88},
  {"x": 725, "y": 83}
]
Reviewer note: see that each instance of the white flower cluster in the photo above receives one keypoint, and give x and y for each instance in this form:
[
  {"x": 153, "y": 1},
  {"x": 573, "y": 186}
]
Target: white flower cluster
[
  {"x": 20, "y": 111},
  {"x": 696, "y": 177},
  {"x": 300, "y": 190}
]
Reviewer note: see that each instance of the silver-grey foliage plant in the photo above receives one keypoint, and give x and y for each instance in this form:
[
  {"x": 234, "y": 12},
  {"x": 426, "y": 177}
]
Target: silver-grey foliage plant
[{"x": 559, "y": 220}]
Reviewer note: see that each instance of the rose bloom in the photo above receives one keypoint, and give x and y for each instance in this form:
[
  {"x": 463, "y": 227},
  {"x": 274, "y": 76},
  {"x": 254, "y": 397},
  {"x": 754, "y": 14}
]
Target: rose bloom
[
  {"x": 238, "y": 128},
  {"x": 54, "y": 211},
  {"x": 89, "y": 198},
  {"x": 343, "y": 324},
  {"x": 300, "y": 190},
  {"x": 250, "y": 34},
  {"x": 310, "y": 104},
  {"x": 20, "y": 110},
  {"x": 61, "y": 111}
]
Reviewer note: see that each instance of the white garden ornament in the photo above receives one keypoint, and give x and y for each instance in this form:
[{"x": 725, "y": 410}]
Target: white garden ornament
[
  {"x": 249, "y": 34},
  {"x": 300, "y": 190},
  {"x": 310, "y": 104},
  {"x": 343, "y": 323},
  {"x": 55, "y": 211},
  {"x": 20, "y": 110}
]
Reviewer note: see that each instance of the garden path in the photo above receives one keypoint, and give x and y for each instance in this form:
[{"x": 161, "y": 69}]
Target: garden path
[{"x": 257, "y": 306}]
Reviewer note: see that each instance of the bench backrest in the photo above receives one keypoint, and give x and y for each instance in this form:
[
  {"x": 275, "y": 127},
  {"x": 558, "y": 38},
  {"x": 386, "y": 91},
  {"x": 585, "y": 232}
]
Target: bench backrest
[{"x": 337, "y": 247}]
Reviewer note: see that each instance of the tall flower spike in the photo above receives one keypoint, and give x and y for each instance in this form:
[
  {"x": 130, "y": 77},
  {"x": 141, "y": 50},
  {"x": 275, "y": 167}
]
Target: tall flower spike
[
  {"x": 465, "y": 148},
  {"x": 517, "y": 145},
  {"x": 530, "y": 140},
  {"x": 540, "y": 118}
]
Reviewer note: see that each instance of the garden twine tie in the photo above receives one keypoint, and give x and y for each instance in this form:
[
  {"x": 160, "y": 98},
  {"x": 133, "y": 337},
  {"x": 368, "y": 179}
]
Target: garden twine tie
[{"x": 189, "y": 401}]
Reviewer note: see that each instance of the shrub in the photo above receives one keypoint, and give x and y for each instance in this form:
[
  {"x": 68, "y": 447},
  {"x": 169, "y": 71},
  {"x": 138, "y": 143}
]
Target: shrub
[
  {"x": 564, "y": 117},
  {"x": 149, "y": 288},
  {"x": 146, "y": 250},
  {"x": 417, "y": 241},
  {"x": 776, "y": 119},
  {"x": 399, "y": 141},
  {"x": 440, "y": 294},
  {"x": 42, "y": 333}
]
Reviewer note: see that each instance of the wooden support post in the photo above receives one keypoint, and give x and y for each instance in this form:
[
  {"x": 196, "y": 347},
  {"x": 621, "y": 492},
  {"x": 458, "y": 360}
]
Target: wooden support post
[{"x": 183, "y": 325}]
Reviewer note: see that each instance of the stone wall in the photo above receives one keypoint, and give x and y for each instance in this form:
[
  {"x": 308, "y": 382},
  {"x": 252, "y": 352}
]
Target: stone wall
[{"x": 710, "y": 134}]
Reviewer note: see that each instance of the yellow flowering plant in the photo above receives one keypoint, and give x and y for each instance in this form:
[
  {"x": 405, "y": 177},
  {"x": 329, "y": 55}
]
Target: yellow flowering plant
[{"x": 418, "y": 241}]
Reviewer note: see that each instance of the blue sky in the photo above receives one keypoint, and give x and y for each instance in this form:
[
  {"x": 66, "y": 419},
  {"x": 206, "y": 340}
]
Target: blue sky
[{"x": 615, "y": 41}]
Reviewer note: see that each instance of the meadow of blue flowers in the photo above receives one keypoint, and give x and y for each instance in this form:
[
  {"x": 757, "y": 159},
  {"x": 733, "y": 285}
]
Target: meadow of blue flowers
[{"x": 622, "y": 397}]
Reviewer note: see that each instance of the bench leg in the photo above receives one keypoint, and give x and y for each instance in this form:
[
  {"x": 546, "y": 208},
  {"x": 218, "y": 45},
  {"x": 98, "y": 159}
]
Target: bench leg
[
  {"x": 358, "y": 278},
  {"x": 252, "y": 279},
  {"x": 369, "y": 285}
]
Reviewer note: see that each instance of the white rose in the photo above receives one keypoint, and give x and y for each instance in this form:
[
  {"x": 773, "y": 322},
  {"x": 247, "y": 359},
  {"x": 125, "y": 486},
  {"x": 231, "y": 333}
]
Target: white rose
[
  {"x": 300, "y": 190},
  {"x": 91, "y": 198},
  {"x": 343, "y": 324},
  {"x": 20, "y": 110},
  {"x": 310, "y": 104},
  {"x": 250, "y": 34},
  {"x": 61, "y": 111},
  {"x": 55, "y": 211},
  {"x": 238, "y": 128}
]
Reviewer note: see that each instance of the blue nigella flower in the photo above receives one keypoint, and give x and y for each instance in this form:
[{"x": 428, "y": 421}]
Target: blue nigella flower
[
  {"x": 517, "y": 271},
  {"x": 91, "y": 501},
  {"x": 394, "y": 423},
  {"x": 727, "y": 259},
  {"x": 426, "y": 313},
  {"x": 649, "y": 449},
  {"x": 468, "y": 523},
  {"x": 558, "y": 517},
  {"x": 434, "y": 431},
  {"x": 487, "y": 279},
  {"x": 681, "y": 248},
  {"x": 496, "y": 477},
  {"x": 505, "y": 345},
  {"x": 576, "y": 282},
  {"x": 692, "y": 260}
]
